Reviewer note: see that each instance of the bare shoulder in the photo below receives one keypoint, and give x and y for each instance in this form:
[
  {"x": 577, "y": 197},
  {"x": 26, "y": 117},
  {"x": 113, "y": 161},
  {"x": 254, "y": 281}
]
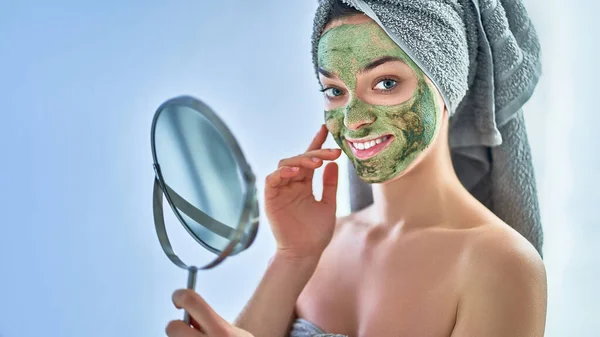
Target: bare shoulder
[
  {"x": 503, "y": 285},
  {"x": 500, "y": 251}
]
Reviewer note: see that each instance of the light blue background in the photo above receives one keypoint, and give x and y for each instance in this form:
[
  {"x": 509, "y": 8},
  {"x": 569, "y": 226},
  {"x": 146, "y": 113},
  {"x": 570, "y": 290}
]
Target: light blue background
[{"x": 79, "y": 83}]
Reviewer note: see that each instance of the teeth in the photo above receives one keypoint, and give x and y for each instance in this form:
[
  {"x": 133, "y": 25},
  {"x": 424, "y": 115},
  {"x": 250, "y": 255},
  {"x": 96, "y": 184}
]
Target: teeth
[{"x": 370, "y": 144}]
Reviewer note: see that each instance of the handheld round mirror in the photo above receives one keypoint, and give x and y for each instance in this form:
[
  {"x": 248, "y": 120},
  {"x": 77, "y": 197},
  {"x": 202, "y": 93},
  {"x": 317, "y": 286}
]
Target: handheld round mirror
[{"x": 201, "y": 171}]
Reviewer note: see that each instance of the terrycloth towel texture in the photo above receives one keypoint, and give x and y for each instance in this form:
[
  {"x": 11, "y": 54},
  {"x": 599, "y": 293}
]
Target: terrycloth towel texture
[
  {"x": 304, "y": 328},
  {"x": 484, "y": 57}
]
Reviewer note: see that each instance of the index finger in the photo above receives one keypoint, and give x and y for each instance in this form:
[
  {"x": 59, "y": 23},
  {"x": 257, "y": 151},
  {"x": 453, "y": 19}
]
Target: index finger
[
  {"x": 319, "y": 139},
  {"x": 202, "y": 313}
]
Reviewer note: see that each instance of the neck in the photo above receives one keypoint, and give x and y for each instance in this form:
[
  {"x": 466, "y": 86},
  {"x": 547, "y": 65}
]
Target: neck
[{"x": 422, "y": 196}]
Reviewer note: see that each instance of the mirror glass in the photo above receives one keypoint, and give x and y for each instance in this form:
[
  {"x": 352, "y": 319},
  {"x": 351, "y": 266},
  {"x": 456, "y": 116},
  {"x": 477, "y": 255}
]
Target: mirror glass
[{"x": 203, "y": 175}]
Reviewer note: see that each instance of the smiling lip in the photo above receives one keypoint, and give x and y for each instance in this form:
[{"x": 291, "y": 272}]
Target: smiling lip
[{"x": 372, "y": 151}]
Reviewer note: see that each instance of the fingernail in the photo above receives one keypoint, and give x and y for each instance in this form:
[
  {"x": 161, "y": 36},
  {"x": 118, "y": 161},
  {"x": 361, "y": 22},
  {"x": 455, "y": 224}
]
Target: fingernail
[
  {"x": 315, "y": 159},
  {"x": 177, "y": 295},
  {"x": 294, "y": 169}
]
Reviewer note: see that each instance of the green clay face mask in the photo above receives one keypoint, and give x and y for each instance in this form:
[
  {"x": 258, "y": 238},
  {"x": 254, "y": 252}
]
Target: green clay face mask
[{"x": 389, "y": 136}]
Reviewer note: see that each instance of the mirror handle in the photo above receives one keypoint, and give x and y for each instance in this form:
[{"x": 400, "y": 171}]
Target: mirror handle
[{"x": 191, "y": 284}]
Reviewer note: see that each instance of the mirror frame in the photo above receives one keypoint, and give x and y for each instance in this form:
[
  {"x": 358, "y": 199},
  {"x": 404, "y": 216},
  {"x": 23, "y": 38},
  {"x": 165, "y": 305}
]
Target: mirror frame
[{"x": 250, "y": 212}]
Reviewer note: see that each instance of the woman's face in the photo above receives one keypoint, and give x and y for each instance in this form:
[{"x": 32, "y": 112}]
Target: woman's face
[{"x": 380, "y": 108}]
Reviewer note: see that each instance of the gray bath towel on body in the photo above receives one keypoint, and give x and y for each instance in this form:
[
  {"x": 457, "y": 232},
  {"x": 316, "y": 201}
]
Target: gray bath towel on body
[{"x": 304, "y": 328}]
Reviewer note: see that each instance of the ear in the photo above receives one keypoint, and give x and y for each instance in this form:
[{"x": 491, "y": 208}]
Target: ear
[{"x": 438, "y": 97}]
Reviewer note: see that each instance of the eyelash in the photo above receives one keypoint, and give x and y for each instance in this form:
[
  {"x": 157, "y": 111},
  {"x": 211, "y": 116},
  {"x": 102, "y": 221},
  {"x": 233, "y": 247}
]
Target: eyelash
[
  {"x": 332, "y": 97},
  {"x": 379, "y": 80},
  {"x": 387, "y": 91}
]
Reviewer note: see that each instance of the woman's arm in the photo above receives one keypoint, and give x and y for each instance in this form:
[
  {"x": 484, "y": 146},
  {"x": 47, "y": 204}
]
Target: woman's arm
[
  {"x": 270, "y": 311},
  {"x": 504, "y": 293},
  {"x": 302, "y": 226}
]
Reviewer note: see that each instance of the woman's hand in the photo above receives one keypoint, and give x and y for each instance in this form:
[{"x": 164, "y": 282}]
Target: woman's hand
[
  {"x": 205, "y": 321},
  {"x": 303, "y": 226}
]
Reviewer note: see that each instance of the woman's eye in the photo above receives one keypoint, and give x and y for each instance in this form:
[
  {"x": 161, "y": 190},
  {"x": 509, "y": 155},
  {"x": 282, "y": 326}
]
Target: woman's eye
[
  {"x": 333, "y": 92},
  {"x": 386, "y": 84}
]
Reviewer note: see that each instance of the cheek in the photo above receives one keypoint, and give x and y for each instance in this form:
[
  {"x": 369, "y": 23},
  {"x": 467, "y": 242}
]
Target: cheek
[
  {"x": 409, "y": 122},
  {"x": 336, "y": 103},
  {"x": 405, "y": 120},
  {"x": 333, "y": 122}
]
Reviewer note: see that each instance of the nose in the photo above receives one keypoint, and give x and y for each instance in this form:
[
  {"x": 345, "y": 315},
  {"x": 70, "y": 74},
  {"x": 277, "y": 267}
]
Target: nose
[{"x": 358, "y": 114}]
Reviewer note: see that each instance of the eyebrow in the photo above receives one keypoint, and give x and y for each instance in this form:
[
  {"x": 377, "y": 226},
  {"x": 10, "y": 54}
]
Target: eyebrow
[
  {"x": 374, "y": 64},
  {"x": 325, "y": 73},
  {"x": 377, "y": 62}
]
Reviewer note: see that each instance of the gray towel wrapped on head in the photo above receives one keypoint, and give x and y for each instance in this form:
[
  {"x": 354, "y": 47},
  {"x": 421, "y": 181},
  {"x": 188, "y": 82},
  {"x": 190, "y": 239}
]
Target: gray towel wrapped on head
[{"x": 484, "y": 58}]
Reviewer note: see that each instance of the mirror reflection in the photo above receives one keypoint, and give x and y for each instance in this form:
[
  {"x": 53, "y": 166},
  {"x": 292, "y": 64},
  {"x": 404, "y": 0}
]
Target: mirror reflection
[{"x": 202, "y": 178}]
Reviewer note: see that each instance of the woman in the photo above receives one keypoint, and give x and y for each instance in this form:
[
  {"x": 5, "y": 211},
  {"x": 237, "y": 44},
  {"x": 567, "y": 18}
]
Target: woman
[{"x": 426, "y": 258}]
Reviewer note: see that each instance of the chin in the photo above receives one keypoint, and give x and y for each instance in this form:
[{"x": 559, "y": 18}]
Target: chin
[
  {"x": 377, "y": 177},
  {"x": 381, "y": 180}
]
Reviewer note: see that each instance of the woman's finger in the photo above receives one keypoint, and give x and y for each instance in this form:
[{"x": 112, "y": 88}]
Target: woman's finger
[
  {"x": 211, "y": 323},
  {"x": 330, "y": 184},
  {"x": 301, "y": 161},
  {"x": 312, "y": 158},
  {"x": 282, "y": 176},
  {"x": 307, "y": 166},
  {"x": 327, "y": 154},
  {"x": 195, "y": 324},
  {"x": 179, "y": 328},
  {"x": 319, "y": 139},
  {"x": 279, "y": 178},
  {"x": 309, "y": 162}
]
